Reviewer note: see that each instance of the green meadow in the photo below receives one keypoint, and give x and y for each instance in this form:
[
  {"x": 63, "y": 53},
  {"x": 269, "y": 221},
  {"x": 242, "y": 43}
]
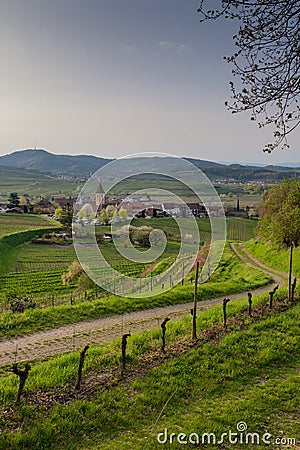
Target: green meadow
[{"x": 248, "y": 373}]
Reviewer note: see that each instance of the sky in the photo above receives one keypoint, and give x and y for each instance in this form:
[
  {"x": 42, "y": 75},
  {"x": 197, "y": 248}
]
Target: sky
[{"x": 112, "y": 78}]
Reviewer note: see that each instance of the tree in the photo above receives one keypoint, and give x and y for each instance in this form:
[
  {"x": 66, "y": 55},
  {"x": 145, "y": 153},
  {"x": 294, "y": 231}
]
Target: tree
[
  {"x": 13, "y": 200},
  {"x": 110, "y": 212},
  {"x": 86, "y": 213},
  {"x": 25, "y": 203},
  {"x": 266, "y": 62},
  {"x": 64, "y": 216},
  {"x": 58, "y": 212},
  {"x": 103, "y": 217},
  {"x": 140, "y": 234},
  {"x": 122, "y": 214},
  {"x": 76, "y": 274},
  {"x": 280, "y": 217}
]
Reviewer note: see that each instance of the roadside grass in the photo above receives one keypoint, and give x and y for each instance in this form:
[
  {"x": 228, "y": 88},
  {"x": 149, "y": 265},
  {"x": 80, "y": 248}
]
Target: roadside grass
[
  {"x": 231, "y": 276},
  {"x": 274, "y": 257},
  {"x": 249, "y": 375}
]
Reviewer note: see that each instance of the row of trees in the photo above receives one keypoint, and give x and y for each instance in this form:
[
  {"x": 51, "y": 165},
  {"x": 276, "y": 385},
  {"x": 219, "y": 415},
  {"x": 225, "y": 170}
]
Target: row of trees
[{"x": 106, "y": 215}]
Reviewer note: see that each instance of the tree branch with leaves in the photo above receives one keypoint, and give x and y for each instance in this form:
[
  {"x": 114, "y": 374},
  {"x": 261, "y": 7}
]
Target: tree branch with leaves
[
  {"x": 280, "y": 218},
  {"x": 266, "y": 62}
]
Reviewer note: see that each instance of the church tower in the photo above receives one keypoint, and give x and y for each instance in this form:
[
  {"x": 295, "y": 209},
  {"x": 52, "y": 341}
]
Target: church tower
[{"x": 100, "y": 196}]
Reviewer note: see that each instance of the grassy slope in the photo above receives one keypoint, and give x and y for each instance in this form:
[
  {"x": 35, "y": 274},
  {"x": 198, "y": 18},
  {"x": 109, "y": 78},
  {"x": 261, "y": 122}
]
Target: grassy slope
[
  {"x": 26, "y": 182},
  {"x": 249, "y": 376},
  {"x": 278, "y": 259},
  {"x": 230, "y": 277},
  {"x": 237, "y": 228},
  {"x": 17, "y": 223},
  {"x": 15, "y": 230}
]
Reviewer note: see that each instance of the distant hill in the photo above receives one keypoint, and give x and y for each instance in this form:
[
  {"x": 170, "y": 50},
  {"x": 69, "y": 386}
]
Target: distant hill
[
  {"x": 78, "y": 166},
  {"x": 289, "y": 165},
  {"x": 238, "y": 172},
  {"x": 43, "y": 161}
]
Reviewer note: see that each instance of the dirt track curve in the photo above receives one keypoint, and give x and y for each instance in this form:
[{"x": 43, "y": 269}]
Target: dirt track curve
[{"x": 70, "y": 337}]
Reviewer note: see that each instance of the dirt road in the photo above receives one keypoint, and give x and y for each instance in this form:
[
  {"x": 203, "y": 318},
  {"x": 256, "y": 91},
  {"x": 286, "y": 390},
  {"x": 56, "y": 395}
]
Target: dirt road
[{"x": 70, "y": 337}]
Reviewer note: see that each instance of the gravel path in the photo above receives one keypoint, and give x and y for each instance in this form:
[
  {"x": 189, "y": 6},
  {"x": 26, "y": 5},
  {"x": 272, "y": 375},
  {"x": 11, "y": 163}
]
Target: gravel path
[
  {"x": 70, "y": 337},
  {"x": 243, "y": 254}
]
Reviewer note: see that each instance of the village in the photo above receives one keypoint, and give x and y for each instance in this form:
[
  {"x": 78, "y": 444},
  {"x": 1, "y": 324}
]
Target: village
[{"x": 108, "y": 208}]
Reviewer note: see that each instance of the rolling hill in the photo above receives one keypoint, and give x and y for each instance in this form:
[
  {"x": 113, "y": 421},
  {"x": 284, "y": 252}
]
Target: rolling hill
[
  {"x": 45, "y": 162},
  {"x": 33, "y": 183},
  {"x": 81, "y": 166}
]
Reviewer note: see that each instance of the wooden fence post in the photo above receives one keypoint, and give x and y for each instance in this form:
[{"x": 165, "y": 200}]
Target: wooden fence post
[
  {"x": 294, "y": 288},
  {"x": 124, "y": 345},
  {"x": 80, "y": 367},
  {"x": 225, "y": 301},
  {"x": 271, "y": 296},
  {"x": 249, "y": 304},
  {"x": 194, "y": 332},
  {"x": 23, "y": 375},
  {"x": 163, "y": 334}
]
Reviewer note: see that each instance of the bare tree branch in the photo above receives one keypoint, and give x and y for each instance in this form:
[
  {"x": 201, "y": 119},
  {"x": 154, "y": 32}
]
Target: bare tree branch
[{"x": 266, "y": 63}]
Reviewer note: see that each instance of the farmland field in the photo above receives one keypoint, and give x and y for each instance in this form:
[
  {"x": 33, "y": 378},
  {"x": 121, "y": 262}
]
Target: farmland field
[
  {"x": 36, "y": 269},
  {"x": 239, "y": 229},
  {"x": 33, "y": 257},
  {"x": 15, "y": 223},
  {"x": 207, "y": 382},
  {"x": 32, "y": 183},
  {"x": 230, "y": 277},
  {"x": 204, "y": 379}
]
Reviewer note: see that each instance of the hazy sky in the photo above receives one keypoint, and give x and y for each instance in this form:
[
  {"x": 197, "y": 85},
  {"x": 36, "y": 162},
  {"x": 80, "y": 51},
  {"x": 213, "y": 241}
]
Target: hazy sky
[{"x": 111, "y": 77}]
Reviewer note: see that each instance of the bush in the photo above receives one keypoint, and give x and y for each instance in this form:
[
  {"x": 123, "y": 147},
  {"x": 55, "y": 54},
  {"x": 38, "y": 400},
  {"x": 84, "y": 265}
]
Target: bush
[{"x": 19, "y": 302}]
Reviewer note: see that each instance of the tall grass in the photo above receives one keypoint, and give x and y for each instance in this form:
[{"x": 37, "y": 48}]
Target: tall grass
[{"x": 274, "y": 257}]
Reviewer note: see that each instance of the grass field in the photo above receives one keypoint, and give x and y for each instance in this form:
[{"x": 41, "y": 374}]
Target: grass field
[
  {"x": 39, "y": 257},
  {"x": 31, "y": 183},
  {"x": 38, "y": 269},
  {"x": 238, "y": 229},
  {"x": 230, "y": 277},
  {"x": 17, "y": 229},
  {"x": 248, "y": 374},
  {"x": 274, "y": 257},
  {"x": 15, "y": 223}
]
